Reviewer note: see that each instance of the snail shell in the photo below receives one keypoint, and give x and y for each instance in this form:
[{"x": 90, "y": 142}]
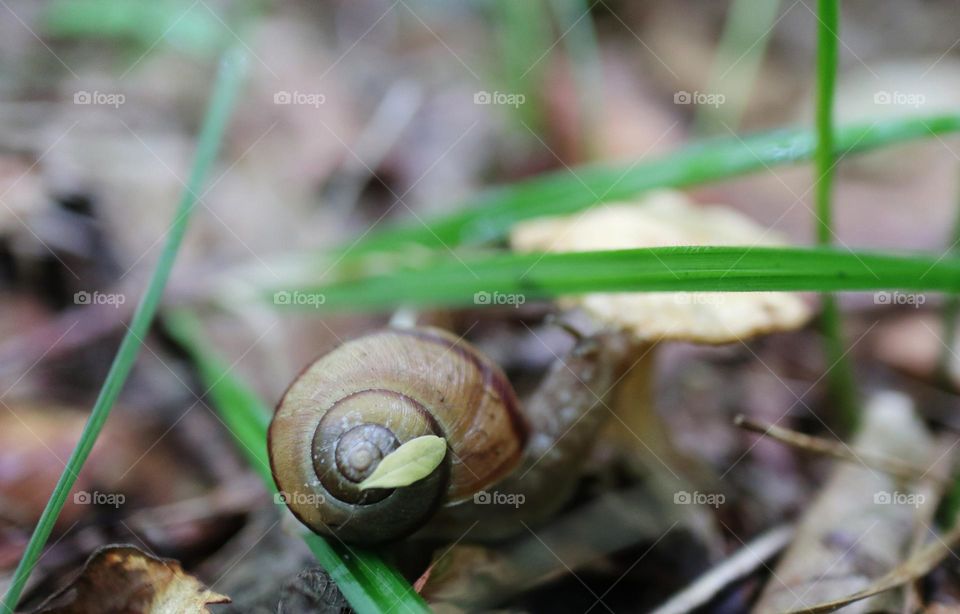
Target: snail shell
[{"x": 355, "y": 405}]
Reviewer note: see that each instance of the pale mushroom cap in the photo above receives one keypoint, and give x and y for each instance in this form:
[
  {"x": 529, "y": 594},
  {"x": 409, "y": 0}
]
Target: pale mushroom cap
[{"x": 665, "y": 219}]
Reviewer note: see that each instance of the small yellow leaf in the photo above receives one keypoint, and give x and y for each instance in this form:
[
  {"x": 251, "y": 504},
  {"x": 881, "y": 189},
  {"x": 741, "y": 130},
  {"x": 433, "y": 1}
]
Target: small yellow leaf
[{"x": 411, "y": 462}]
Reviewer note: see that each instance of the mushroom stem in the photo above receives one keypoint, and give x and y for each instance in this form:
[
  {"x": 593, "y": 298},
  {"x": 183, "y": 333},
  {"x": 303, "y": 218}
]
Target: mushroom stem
[
  {"x": 636, "y": 425},
  {"x": 641, "y": 432}
]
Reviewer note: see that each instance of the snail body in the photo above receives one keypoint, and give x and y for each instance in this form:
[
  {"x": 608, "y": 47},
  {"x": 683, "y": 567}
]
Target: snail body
[{"x": 355, "y": 405}]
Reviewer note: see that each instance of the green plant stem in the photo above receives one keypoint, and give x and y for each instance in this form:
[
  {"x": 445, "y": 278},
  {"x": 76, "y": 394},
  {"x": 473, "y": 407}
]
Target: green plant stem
[
  {"x": 666, "y": 269},
  {"x": 368, "y": 583},
  {"x": 828, "y": 33},
  {"x": 490, "y": 216},
  {"x": 840, "y": 373},
  {"x": 224, "y": 95}
]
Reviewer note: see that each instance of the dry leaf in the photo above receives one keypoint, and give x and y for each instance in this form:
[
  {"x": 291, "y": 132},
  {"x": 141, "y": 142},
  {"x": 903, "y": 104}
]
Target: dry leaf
[
  {"x": 125, "y": 579},
  {"x": 860, "y": 525},
  {"x": 912, "y": 569}
]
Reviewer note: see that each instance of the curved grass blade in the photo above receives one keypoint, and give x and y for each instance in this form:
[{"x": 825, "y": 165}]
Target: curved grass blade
[
  {"x": 490, "y": 215},
  {"x": 225, "y": 93},
  {"x": 368, "y": 583},
  {"x": 666, "y": 269}
]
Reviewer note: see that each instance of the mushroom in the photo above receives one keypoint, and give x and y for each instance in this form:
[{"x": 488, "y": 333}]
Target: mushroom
[{"x": 663, "y": 219}]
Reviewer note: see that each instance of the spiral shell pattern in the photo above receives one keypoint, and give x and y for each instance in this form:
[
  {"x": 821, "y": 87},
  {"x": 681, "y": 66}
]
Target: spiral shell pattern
[{"x": 355, "y": 405}]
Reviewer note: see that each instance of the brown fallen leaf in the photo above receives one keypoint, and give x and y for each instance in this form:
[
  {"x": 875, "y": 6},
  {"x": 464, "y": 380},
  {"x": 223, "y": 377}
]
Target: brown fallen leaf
[
  {"x": 923, "y": 557},
  {"x": 122, "y": 578},
  {"x": 860, "y": 525},
  {"x": 913, "y": 568},
  {"x": 34, "y": 440}
]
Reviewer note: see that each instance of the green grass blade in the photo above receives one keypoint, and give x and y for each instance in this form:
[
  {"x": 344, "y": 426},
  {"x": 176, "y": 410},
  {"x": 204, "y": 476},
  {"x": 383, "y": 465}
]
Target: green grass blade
[
  {"x": 704, "y": 269},
  {"x": 243, "y": 413},
  {"x": 575, "y": 21},
  {"x": 740, "y": 52},
  {"x": 224, "y": 95},
  {"x": 146, "y": 23},
  {"x": 840, "y": 375},
  {"x": 368, "y": 583},
  {"x": 828, "y": 35},
  {"x": 522, "y": 31},
  {"x": 491, "y": 215}
]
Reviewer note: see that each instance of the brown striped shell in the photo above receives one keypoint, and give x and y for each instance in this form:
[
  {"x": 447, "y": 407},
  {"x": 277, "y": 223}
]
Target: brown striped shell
[{"x": 355, "y": 405}]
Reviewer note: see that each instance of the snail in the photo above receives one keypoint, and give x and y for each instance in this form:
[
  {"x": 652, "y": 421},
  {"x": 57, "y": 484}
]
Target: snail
[{"x": 355, "y": 405}]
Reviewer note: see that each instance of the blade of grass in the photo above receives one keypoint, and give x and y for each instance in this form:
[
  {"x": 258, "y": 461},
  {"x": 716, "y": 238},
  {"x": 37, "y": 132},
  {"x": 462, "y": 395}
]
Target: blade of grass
[
  {"x": 828, "y": 36},
  {"x": 575, "y": 21},
  {"x": 225, "y": 93},
  {"x": 368, "y": 583},
  {"x": 739, "y": 55},
  {"x": 490, "y": 216},
  {"x": 666, "y": 269},
  {"x": 244, "y": 415},
  {"x": 523, "y": 32},
  {"x": 840, "y": 375},
  {"x": 147, "y": 23}
]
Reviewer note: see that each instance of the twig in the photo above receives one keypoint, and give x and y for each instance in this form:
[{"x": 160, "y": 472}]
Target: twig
[
  {"x": 836, "y": 449},
  {"x": 744, "y": 562}
]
